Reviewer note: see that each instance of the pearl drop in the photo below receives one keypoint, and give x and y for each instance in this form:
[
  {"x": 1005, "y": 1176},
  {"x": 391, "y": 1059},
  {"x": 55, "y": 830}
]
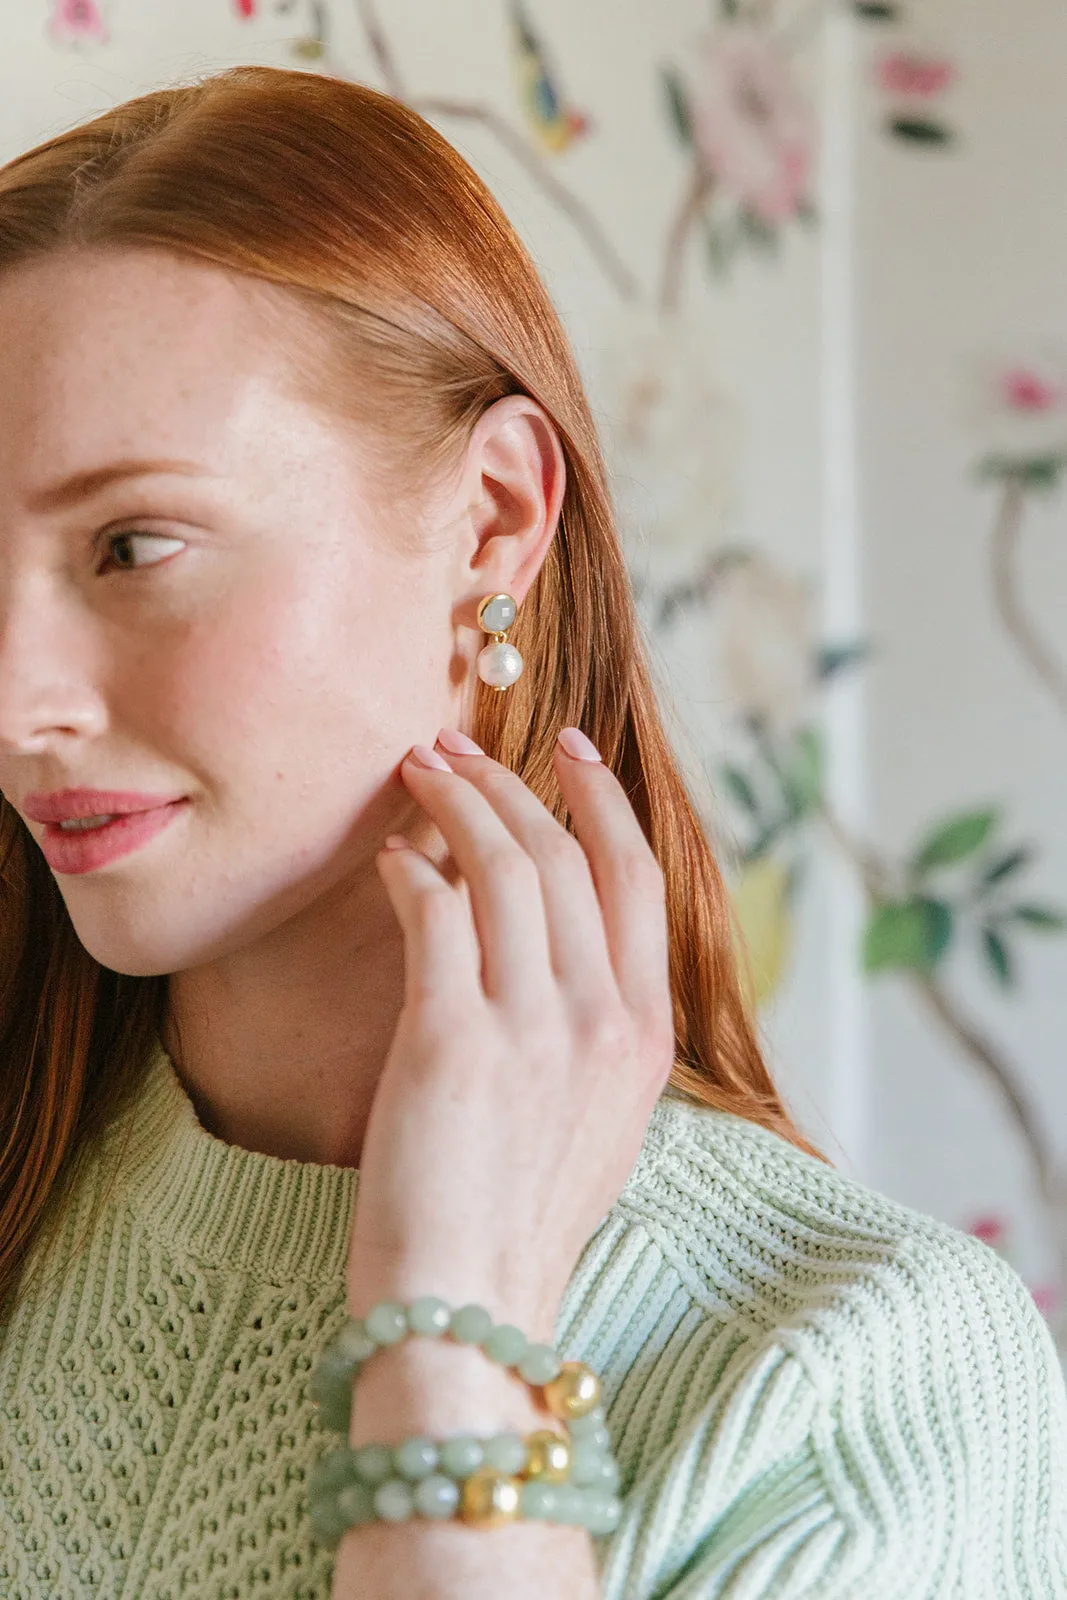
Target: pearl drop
[{"x": 499, "y": 665}]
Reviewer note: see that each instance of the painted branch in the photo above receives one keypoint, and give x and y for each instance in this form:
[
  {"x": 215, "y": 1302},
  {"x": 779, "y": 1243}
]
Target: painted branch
[
  {"x": 380, "y": 48},
  {"x": 877, "y": 878},
  {"x": 581, "y": 216},
  {"x": 1007, "y": 531},
  {"x": 696, "y": 195}
]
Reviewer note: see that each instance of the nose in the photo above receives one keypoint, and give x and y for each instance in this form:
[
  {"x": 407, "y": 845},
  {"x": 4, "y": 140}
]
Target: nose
[{"x": 46, "y": 683}]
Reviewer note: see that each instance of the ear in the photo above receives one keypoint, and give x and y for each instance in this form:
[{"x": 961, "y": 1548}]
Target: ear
[{"x": 513, "y": 479}]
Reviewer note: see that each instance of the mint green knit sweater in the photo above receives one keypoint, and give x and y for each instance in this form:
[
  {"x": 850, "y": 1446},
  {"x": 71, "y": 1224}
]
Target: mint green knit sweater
[{"x": 811, "y": 1390}]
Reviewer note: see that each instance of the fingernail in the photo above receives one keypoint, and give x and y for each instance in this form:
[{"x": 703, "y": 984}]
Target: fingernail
[
  {"x": 429, "y": 758},
  {"x": 577, "y": 745},
  {"x": 458, "y": 743}
]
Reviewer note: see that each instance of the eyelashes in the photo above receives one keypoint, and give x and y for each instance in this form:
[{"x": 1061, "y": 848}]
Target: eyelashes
[{"x": 130, "y": 536}]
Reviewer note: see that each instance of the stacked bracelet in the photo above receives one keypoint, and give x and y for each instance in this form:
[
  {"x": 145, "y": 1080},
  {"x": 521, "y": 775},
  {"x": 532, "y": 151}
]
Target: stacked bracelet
[{"x": 543, "y": 1476}]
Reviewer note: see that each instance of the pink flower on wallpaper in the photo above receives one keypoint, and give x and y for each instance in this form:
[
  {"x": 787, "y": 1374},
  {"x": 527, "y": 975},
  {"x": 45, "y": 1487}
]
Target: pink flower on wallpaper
[
  {"x": 752, "y": 126},
  {"x": 1026, "y": 390},
  {"x": 77, "y": 22},
  {"x": 989, "y": 1229},
  {"x": 245, "y": 8},
  {"x": 1016, "y": 401},
  {"x": 911, "y": 76}
]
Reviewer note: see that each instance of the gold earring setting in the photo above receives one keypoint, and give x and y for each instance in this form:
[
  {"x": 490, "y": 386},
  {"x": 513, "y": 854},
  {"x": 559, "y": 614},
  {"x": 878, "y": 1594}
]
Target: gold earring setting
[{"x": 499, "y": 664}]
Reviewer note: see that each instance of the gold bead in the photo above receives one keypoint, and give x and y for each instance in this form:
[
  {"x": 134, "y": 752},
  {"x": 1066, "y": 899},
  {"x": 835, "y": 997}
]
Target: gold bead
[
  {"x": 489, "y": 1498},
  {"x": 574, "y": 1392},
  {"x": 549, "y": 1456}
]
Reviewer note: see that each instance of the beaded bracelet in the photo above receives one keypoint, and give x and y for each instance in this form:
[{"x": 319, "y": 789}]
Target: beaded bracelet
[{"x": 485, "y": 1482}]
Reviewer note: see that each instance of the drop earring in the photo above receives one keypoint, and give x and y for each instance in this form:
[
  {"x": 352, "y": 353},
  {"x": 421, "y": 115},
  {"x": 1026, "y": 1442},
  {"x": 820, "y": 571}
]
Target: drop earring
[{"x": 499, "y": 663}]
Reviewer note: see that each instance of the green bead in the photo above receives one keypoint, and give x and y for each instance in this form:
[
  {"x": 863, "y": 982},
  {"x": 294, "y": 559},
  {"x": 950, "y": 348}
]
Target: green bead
[
  {"x": 415, "y": 1458},
  {"x": 462, "y": 1455},
  {"x": 355, "y": 1503},
  {"x": 327, "y": 1523},
  {"x": 393, "y": 1500},
  {"x": 506, "y": 1344},
  {"x": 437, "y": 1496},
  {"x": 608, "y": 1477},
  {"x": 570, "y": 1504},
  {"x": 429, "y": 1316},
  {"x": 537, "y": 1500},
  {"x": 331, "y": 1472},
  {"x": 540, "y": 1364},
  {"x": 354, "y": 1344},
  {"x": 586, "y": 1463},
  {"x": 471, "y": 1324},
  {"x": 332, "y": 1372},
  {"x": 507, "y": 1452},
  {"x": 386, "y": 1322},
  {"x": 373, "y": 1463},
  {"x": 603, "y": 1512},
  {"x": 335, "y": 1411},
  {"x": 582, "y": 1427}
]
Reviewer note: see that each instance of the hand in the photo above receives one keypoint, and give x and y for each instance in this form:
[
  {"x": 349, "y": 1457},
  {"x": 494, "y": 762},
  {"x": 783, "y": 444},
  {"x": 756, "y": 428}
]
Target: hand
[{"x": 535, "y": 1037}]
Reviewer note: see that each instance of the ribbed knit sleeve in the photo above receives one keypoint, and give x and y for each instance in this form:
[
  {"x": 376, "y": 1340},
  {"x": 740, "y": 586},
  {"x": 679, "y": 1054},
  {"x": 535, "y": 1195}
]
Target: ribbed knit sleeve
[
  {"x": 898, "y": 1433},
  {"x": 812, "y": 1392}
]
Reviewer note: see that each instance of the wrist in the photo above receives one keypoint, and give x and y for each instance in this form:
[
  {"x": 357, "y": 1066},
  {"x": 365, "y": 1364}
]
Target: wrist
[{"x": 426, "y": 1386}]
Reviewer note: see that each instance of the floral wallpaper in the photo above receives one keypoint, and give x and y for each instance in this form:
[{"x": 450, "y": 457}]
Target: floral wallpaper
[{"x": 959, "y": 904}]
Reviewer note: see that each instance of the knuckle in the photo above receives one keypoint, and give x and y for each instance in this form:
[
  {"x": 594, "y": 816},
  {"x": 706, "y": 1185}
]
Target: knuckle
[
  {"x": 509, "y": 865},
  {"x": 640, "y": 870},
  {"x": 561, "y": 853}
]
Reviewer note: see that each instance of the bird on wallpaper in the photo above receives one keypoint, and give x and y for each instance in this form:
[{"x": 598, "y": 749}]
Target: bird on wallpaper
[{"x": 556, "y": 125}]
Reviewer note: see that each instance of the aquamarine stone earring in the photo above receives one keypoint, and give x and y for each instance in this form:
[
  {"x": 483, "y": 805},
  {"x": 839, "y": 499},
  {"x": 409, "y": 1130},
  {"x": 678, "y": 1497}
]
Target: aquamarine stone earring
[{"x": 499, "y": 664}]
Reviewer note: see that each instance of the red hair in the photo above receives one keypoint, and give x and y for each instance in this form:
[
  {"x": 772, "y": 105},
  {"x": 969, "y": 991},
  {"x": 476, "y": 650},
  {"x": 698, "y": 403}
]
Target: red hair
[{"x": 403, "y": 260}]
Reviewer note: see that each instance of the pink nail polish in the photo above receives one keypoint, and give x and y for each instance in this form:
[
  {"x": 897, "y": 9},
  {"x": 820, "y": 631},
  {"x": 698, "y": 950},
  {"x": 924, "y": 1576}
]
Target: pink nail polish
[
  {"x": 459, "y": 743},
  {"x": 577, "y": 745},
  {"x": 429, "y": 758}
]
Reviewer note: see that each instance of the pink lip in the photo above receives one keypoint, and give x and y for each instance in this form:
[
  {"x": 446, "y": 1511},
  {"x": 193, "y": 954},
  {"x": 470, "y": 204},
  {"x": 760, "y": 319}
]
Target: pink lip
[
  {"x": 65, "y": 805},
  {"x": 80, "y": 852}
]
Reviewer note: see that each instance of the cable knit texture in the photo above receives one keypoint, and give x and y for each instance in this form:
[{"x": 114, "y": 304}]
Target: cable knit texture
[{"x": 812, "y": 1391}]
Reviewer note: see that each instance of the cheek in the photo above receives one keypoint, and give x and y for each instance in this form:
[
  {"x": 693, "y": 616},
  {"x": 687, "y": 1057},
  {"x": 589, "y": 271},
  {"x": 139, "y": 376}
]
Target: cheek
[{"x": 304, "y": 678}]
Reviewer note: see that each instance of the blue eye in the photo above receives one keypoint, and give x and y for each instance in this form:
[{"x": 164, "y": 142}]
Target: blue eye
[{"x": 127, "y": 538}]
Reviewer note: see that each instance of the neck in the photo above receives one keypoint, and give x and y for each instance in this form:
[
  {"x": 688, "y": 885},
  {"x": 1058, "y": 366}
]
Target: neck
[{"x": 280, "y": 1045}]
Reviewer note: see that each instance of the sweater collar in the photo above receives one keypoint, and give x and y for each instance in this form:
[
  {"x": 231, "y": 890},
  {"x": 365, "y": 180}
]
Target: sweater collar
[{"x": 235, "y": 1208}]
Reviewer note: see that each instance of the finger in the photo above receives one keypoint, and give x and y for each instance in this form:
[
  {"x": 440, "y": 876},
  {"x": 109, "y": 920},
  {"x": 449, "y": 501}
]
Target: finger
[
  {"x": 441, "y": 956},
  {"x": 578, "y": 950},
  {"x": 628, "y": 879},
  {"x": 502, "y": 880}
]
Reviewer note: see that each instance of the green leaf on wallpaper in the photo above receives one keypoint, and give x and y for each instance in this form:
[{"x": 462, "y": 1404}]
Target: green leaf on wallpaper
[
  {"x": 757, "y": 231},
  {"x": 807, "y": 213},
  {"x": 876, "y": 10},
  {"x": 678, "y": 106},
  {"x": 740, "y": 788},
  {"x": 721, "y": 247},
  {"x": 1042, "y": 917},
  {"x": 832, "y": 658},
  {"x": 953, "y": 841},
  {"x": 802, "y": 775},
  {"x": 1005, "y": 866},
  {"x": 996, "y": 952},
  {"x": 731, "y": 9},
  {"x": 1034, "y": 472},
  {"x": 919, "y": 130},
  {"x": 910, "y": 934}
]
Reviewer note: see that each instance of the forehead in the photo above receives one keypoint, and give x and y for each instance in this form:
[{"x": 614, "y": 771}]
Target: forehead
[{"x": 131, "y": 352}]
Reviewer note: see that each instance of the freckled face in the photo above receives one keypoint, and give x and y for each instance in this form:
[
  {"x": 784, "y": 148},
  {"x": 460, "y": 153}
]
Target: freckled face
[{"x": 242, "y": 631}]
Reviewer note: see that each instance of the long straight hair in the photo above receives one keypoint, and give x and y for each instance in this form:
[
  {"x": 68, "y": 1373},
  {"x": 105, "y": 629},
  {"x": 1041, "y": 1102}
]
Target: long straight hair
[{"x": 424, "y": 309}]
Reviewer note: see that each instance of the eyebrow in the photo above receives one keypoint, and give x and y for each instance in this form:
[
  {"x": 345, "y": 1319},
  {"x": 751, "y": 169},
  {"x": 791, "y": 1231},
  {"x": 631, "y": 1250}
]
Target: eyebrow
[{"x": 80, "y": 485}]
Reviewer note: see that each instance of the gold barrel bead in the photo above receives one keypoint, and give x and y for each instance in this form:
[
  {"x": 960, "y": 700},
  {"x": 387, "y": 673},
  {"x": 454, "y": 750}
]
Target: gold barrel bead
[
  {"x": 574, "y": 1392},
  {"x": 549, "y": 1456},
  {"x": 489, "y": 1498}
]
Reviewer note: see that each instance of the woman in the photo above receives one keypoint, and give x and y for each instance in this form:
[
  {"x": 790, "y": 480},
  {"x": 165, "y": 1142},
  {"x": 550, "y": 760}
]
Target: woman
[{"x": 289, "y": 436}]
